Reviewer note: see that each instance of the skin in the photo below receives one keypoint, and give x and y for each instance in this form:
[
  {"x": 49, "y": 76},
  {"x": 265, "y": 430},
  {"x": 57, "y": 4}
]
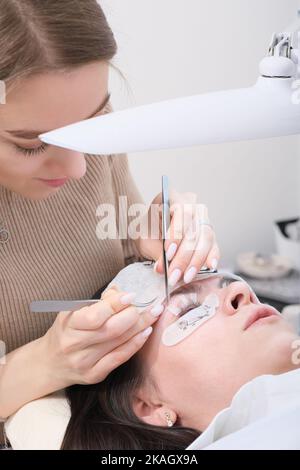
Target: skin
[
  {"x": 46, "y": 102},
  {"x": 215, "y": 361}
]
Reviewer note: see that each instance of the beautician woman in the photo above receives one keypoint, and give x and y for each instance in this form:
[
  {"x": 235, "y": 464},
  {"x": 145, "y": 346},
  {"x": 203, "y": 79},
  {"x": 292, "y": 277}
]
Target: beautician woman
[{"x": 54, "y": 60}]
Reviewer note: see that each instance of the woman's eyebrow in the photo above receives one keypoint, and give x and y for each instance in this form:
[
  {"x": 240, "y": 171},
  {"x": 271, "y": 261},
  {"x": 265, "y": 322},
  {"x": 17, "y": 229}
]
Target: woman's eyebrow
[{"x": 33, "y": 134}]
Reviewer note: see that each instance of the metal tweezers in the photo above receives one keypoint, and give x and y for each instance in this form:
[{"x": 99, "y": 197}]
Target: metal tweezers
[{"x": 165, "y": 228}]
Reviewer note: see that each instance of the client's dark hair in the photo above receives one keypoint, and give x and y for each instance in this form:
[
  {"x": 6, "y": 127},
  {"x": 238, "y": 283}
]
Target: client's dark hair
[{"x": 102, "y": 416}]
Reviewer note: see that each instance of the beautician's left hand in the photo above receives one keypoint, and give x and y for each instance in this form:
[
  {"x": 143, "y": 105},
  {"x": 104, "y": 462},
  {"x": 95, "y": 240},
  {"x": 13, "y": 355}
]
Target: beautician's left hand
[{"x": 189, "y": 245}]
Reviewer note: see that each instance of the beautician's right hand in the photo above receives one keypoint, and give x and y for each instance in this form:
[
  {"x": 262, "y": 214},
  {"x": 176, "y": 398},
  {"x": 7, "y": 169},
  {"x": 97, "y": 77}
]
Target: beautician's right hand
[{"x": 84, "y": 346}]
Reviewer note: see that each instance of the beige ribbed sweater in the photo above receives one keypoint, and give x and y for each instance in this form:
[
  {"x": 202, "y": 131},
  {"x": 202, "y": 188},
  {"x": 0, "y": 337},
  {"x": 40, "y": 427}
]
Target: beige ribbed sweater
[{"x": 53, "y": 251}]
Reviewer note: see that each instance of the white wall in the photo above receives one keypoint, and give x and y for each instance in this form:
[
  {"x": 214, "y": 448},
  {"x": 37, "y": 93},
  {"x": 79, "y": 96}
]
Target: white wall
[{"x": 173, "y": 48}]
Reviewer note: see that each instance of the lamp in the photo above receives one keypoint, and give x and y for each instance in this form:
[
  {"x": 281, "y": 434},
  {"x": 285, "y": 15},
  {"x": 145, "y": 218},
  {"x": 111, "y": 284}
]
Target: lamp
[{"x": 270, "y": 108}]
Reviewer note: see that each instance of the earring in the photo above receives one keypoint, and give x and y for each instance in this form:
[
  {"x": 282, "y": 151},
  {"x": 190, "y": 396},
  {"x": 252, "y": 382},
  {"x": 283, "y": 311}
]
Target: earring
[{"x": 169, "y": 420}]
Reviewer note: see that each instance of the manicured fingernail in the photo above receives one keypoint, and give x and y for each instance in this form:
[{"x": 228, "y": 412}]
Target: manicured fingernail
[
  {"x": 108, "y": 290},
  {"x": 171, "y": 251},
  {"x": 157, "y": 310},
  {"x": 214, "y": 264},
  {"x": 147, "y": 332},
  {"x": 113, "y": 286},
  {"x": 155, "y": 266},
  {"x": 190, "y": 274},
  {"x": 127, "y": 298},
  {"x": 174, "y": 277},
  {"x": 174, "y": 310}
]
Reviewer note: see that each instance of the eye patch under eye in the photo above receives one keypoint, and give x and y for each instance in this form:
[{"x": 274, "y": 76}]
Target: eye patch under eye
[{"x": 190, "y": 321}]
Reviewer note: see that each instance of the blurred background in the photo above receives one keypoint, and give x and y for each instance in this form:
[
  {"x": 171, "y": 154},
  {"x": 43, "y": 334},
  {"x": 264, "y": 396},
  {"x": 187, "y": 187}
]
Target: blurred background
[{"x": 175, "y": 48}]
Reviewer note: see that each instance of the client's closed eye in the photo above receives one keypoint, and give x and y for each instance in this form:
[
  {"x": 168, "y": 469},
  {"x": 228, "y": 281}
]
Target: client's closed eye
[
  {"x": 182, "y": 304},
  {"x": 187, "y": 309}
]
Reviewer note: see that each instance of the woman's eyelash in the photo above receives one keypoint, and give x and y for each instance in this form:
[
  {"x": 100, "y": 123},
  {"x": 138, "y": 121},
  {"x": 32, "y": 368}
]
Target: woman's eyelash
[{"x": 32, "y": 152}]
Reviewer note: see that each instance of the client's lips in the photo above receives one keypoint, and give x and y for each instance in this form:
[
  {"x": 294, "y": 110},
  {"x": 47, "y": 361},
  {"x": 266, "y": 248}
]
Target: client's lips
[{"x": 260, "y": 311}]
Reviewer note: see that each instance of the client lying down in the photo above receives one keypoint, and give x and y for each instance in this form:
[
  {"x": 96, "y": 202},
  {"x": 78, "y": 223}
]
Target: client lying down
[{"x": 212, "y": 338}]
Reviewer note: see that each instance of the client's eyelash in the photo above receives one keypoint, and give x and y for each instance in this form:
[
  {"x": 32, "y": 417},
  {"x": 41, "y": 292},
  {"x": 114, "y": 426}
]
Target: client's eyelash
[
  {"x": 185, "y": 310},
  {"x": 32, "y": 152}
]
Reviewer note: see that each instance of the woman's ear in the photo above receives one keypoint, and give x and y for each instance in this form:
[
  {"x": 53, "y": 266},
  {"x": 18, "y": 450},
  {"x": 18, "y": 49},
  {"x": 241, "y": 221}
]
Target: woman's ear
[{"x": 151, "y": 413}]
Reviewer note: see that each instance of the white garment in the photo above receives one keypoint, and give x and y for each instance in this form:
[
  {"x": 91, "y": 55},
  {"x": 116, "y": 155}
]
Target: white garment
[{"x": 264, "y": 414}]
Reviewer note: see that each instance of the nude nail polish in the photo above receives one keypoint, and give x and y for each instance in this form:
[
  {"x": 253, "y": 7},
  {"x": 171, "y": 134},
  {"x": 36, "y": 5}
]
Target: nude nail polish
[
  {"x": 147, "y": 332},
  {"x": 190, "y": 274},
  {"x": 127, "y": 298},
  {"x": 214, "y": 264},
  {"x": 174, "y": 277},
  {"x": 157, "y": 310},
  {"x": 171, "y": 251}
]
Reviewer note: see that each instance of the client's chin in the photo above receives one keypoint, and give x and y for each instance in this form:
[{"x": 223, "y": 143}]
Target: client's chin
[{"x": 280, "y": 350}]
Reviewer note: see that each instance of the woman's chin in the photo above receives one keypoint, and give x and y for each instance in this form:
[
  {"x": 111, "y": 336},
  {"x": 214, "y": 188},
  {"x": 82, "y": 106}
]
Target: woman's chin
[{"x": 282, "y": 351}]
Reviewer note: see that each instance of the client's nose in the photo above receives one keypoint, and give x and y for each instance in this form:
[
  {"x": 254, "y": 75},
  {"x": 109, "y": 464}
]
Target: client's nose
[{"x": 236, "y": 295}]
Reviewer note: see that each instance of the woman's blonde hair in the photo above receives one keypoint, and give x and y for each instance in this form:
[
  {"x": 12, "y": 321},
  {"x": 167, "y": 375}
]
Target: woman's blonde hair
[{"x": 38, "y": 36}]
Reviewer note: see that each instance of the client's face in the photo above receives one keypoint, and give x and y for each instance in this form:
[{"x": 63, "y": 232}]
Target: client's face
[{"x": 197, "y": 377}]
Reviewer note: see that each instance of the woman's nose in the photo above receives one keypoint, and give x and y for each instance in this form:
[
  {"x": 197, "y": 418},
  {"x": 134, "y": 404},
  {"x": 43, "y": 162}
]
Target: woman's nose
[
  {"x": 236, "y": 295},
  {"x": 67, "y": 163}
]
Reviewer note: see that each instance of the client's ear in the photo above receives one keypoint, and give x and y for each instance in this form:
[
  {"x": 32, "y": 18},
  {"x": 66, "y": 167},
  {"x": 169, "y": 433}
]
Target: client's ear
[{"x": 151, "y": 413}]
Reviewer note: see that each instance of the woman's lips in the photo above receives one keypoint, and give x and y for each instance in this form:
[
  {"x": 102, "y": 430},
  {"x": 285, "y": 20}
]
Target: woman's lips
[
  {"x": 54, "y": 183},
  {"x": 260, "y": 312}
]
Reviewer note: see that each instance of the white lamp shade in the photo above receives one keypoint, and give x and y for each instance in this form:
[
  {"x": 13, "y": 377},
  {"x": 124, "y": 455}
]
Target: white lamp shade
[{"x": 268, "y": 109}]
